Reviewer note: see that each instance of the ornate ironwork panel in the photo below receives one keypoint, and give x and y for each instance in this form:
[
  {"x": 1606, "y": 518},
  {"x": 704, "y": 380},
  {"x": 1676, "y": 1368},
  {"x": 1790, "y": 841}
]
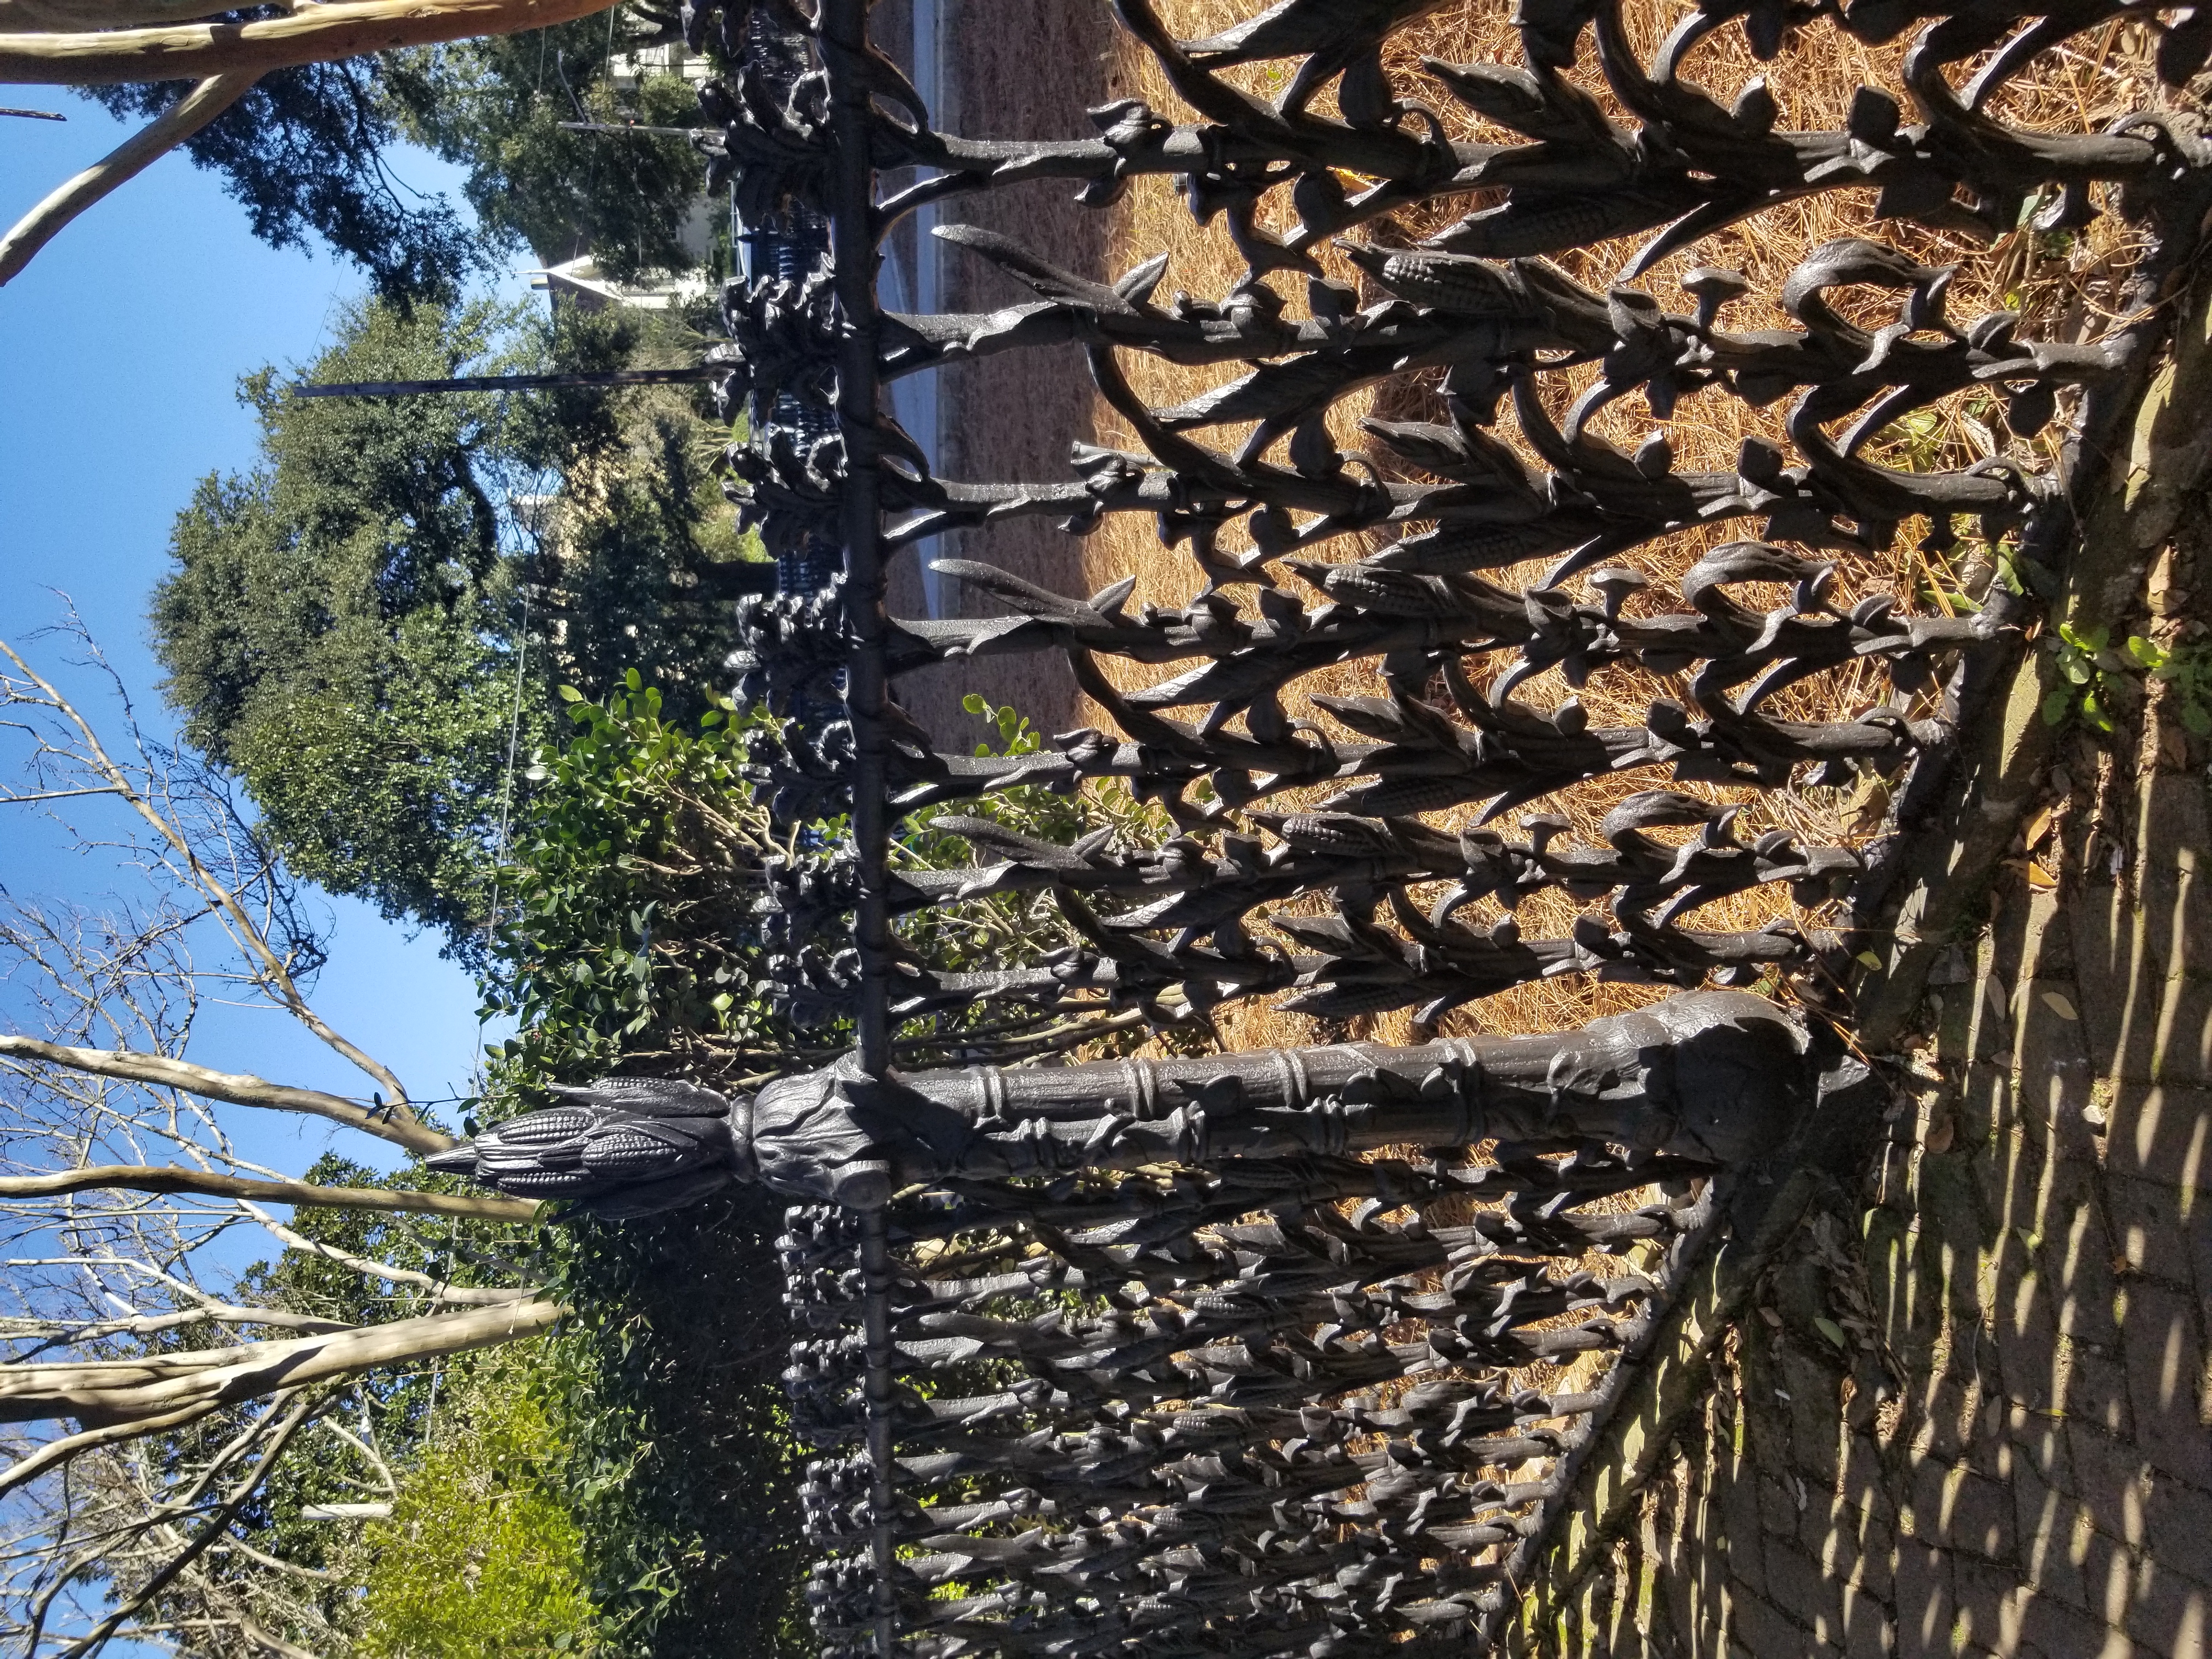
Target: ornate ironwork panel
[{"x": 1229, "y": 1355}]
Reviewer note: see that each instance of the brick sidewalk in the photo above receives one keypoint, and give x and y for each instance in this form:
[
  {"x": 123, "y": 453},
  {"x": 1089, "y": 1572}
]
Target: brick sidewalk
[{"x": 1947, "y": 1393}]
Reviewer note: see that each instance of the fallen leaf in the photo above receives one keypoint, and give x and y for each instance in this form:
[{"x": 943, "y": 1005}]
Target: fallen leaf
[
  {"x": 2041, "y": 878},
  {"x": 1870, "y": 959},
  {"x": 2059, "y": 1005},
  {"x": 1832, "y": 1331},
  {"x": 1941, "y": 1133},
  {"x": 1993, "y": 992},
  {"x": 1868, "y": 809},
  {"x": 2037, "y": 827},
  {"x": 1770, "y": 1317}
]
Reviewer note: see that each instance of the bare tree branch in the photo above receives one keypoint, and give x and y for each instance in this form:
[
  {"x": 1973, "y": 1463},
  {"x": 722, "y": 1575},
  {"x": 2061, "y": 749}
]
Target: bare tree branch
[
  {"x": 55, "y": 1453},
  {"x": 276, "y": 1644},
  {"x": 174, "y": 1178},
  {"x": 105, "y": 1391},
  {"x": 129, "y": 159},
  {"x": 69, "y": 16},
  {"x": 315, "y": 34},
  {"x": 460, "y": 1294},
  {"x": 249, "y": 936},
  {"x": 216, "y": 1526},
  {"x": 238, "y": 1088}
]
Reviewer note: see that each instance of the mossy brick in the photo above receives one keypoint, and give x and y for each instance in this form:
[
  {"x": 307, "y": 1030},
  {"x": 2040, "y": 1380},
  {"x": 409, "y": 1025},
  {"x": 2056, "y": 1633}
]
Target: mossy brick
[
  {"x": 2082, "y": 1263},
  {"x": 1649, "y": 1593},
  {"x": 2013, "y": 1173},
  {"x": 1953, "y": 1232},
  {"x": 2146, "y": 976},
  {"x": 2047, "y": 1519},
  {"x": 1763, "y": 1628},
  {"x": 2197, "y": 1230},
  {"x": 2108, "y": 962},
  {"x": 1954, "y": 1409},
  {"x": 1921, "y": 1518},
  {"x": 2167, "y": 1612},
  {"x": 1986, "y": 1091},
  {"x": 1869, "y": 1631},
  {"x": 2096, "y": 1388},
  {"x": 2057, "y": 1082},
  {"x": 2027, "y": 1343},
  {"x": 1957, "y": 1009},
  {"x": 2150, "y": 1228},
  {"x": 1927, "y": 1605},
  {"x": 2172, "y": 1043},
  {"x": 2179, "y": 1519},
  {"x": 1992, "y": 1599},
  {"x": 2038, "y": 1443},
  {"x": 2108, "y": 1568},
  {"x": 2174, "y": 898},
  {"x": 1796, "y": 1584},
  {"x": 2174, "y": 833},
  {"x": 1883, "y": 1250},
  {"x": 2112, "y": 1479},
  {"x": 2163, "y": 1346},
  {"x": 2054, "y": 1629},
  {"x": 2161, "y": 1132},
  {"x": 1778, "y": 1506},
  {"x": 1976, "y": 1517},
  {"x": 1743, "y": 1541},
  {"x": 1862, "y": 1486}
]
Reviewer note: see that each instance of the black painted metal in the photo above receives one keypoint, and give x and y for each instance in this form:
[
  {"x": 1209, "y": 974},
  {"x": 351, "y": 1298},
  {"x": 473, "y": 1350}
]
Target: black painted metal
[{"x": 1138, "y": 1353}]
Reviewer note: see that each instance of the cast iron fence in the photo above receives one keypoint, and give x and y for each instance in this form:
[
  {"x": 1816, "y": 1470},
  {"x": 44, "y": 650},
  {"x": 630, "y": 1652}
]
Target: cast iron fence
[{"x": 1239, "y": 1355}]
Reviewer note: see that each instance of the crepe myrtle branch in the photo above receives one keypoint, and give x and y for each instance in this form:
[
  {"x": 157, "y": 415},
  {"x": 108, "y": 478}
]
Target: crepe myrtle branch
[
  {"x": 272, "y": 971},
  {"x": 201, "y": 105},
  {"x": 236, "y": 1088},
  {"x": 172, "y": 1178},
  {"x": 90, "y": 55},
  {"x": 125, "y": 1399}
]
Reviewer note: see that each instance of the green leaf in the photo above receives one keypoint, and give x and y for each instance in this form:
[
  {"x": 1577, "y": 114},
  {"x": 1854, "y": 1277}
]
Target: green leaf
[
  {"x": 974, "y": 703},
  {"x": 569, "y": 693},
  {"x": 1832, "y": 1331},
  {"x": 2057, "y": 706},
  {"x": 2144, "y": 651},
  {"x": 2197, "y": 719}
]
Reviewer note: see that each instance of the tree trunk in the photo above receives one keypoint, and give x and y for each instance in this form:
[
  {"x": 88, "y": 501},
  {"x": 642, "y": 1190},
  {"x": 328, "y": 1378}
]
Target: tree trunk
[
  {"x": 126, "y": 162},
  {"x": 315, "y": 34},
  {"x": 170, "y": 1178},
  {"x": 238, "y": 1088},
  {"x": 106, "y": 1393}
]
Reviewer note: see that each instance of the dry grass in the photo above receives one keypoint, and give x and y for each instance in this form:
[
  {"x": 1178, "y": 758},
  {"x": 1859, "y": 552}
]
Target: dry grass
[{"x": 2066, "y": 288}]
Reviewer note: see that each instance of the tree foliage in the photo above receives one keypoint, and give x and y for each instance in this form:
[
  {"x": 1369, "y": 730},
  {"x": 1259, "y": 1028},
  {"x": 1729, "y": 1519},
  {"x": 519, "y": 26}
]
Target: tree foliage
[
  {"x": 482, "y": 1554},
  {"x": 307, "y": 153},
  {"x": 303, "y": 154},
  {"x": 369, "y": 625},
  {"x": 494, "y": 106}
]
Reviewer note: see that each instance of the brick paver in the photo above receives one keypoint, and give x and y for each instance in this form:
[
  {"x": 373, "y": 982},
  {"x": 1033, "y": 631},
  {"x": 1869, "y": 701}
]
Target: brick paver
[{"x": 2010, "y": 1453}]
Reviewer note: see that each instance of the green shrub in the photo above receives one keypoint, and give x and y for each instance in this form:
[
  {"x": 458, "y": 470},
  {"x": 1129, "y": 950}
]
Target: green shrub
[{"x": 482, "y": 1555}]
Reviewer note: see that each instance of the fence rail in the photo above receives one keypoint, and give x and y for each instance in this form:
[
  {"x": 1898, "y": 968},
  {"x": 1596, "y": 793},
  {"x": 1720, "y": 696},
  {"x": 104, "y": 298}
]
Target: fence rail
[{"x": 1241, "y": 1355}]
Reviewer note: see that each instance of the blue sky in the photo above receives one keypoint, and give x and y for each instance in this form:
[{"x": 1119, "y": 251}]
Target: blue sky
[{"x": 120, "y": 347}]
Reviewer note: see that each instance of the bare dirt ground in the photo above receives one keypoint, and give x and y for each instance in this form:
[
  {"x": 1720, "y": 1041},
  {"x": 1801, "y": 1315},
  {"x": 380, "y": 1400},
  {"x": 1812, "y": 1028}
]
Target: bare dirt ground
[
  {"x": 1013, "y": 69},
  {"x": 1022, "y": 69}
]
